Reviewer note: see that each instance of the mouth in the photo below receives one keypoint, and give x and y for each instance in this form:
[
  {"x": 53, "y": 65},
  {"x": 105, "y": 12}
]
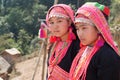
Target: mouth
[{"x": 56, "y": 31}]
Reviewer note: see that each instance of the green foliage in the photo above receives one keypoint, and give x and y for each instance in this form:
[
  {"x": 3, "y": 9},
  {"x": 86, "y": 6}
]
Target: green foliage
[
  {"x": 78, "y": 3},
  {"x": 14, "y": 20},
  {"x": 31, "y": 24},
  {"x": 39, "y": 10},
  {"x": 7, "y": 42},
  {"x": 24, "y": 41},
  {"x": 19, "y": 20},
  {"x": 4, "y": 27},
  {"x": 115, "y": 11},
  {"x": 47, "y": 3},
  {"x": 23, "y": 4},
  {"x": 35, "y": 44},
  {"x": 20, "y": 17}
]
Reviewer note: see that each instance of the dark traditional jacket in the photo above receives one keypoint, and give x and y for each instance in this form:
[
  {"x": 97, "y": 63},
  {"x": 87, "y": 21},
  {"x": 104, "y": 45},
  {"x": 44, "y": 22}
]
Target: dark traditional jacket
[
  {"x": 60, "y": 71},
  {"x": 104, "y": 65},
  {"x": 71, "y": 53}
]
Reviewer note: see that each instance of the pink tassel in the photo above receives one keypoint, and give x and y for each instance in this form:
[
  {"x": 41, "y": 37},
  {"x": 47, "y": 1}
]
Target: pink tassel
[
  {"x": 71, "y": 35},
  {"x": 42, "y": 33},
  {"x": 42, "y": 30}
]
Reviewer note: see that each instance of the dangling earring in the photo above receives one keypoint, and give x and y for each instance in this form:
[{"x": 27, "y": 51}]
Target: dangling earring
[{"x": 71, "y": 35}]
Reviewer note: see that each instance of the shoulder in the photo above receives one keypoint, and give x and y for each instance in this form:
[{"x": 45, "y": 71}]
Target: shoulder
[
  {"x": 105, "y": 63},
  {"x": 106, "y": 51},
  {"x": 106, "y": 55}
]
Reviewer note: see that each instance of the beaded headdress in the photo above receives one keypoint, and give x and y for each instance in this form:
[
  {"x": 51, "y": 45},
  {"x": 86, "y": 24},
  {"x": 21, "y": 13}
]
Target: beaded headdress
[{"x": 60, "y": 10}]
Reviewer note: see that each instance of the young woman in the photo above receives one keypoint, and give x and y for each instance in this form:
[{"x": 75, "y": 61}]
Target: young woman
[
  {"x": 98, "y": 57},
  {"x": 65, "y": 43}
]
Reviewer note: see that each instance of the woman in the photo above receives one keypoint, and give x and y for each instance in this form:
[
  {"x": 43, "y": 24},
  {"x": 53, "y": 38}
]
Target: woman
[
  {"x": 64, "y": 41},
  {"x": 98, "y": 57}
]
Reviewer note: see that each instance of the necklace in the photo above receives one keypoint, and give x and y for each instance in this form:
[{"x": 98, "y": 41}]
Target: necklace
[
  {"x": 60, "y": 47},
  {"x": 82, "y": 60},
  {"x": 58, "y": 54},
  {"x": 60, "y": 51}
]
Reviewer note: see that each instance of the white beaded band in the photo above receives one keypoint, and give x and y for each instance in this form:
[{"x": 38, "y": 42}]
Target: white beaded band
[
  {"x": 58, "y": 15},
  {"x": 84, "y": 20}
]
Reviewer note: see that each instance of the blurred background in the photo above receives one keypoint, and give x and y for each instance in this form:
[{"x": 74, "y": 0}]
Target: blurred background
[{"x": 20, "y": 21}]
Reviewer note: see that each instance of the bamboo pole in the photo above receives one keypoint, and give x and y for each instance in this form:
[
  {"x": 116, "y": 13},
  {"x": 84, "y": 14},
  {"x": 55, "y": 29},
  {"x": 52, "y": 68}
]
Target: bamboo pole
[
  {"x": 39, "y": 56},
  {"x": 44, "y": 60}
]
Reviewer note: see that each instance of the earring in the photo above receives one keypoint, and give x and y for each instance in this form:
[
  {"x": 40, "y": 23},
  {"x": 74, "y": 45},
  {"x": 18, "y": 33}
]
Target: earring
[{"x": 71, "y": 35}]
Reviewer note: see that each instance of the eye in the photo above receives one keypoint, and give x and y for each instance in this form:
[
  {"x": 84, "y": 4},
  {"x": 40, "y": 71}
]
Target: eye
[
  {"x": 84, "y": 27},
  {"x": 59, "y": 20},
  {"x": 51, "y": 22},
  {"x": 78, "y": 26}
]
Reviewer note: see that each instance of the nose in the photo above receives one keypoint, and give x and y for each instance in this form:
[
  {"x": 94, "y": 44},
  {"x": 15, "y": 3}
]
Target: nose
[{"x": 55, "y": 25}]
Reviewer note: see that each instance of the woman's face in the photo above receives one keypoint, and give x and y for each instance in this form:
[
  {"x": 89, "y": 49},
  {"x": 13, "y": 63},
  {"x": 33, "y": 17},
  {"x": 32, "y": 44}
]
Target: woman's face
[
  {"x": 87, "y": 34},
  {"x": 59, "y": 26}
]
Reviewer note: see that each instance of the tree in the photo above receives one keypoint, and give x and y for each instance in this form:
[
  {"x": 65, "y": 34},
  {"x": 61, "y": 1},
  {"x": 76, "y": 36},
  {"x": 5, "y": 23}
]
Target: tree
[
  {"x": 24, "y": 41},
  {"x": 115, "y": 9},
  {"x": 14, "y": 19},
  {"x": 20, "y": 18},
  {"x": 4, "y": 27},
  {"x": 7, "y": 42}
]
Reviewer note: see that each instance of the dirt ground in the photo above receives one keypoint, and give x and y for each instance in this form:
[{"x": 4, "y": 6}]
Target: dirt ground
[{"x": 25, "y": 70}]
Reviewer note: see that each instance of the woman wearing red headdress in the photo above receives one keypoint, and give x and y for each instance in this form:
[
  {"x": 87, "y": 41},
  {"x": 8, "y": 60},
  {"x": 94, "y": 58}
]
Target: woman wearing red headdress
[
  {"x": 98, "y": 57},
  {"x": 65, "y": 43}
]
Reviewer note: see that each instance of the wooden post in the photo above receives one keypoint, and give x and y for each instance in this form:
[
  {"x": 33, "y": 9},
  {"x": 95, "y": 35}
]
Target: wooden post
[
  {"x": 39, "y": 56},
  {"x": 55, "y": 2},
  {"x": 44, "y": 70}
]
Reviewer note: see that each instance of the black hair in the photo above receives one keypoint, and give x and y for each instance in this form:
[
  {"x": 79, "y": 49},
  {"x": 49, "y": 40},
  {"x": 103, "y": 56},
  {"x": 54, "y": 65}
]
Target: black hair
[
  {"x": 74, "y": 30},
  {"x": 106, "y": 16}
]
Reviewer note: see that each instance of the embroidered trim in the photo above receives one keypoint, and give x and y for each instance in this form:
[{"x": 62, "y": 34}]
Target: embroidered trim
[
  {"x": 83, "y": 20},
  {"x": 58, "y": 15},
  {"x": 58, "y": 74}
]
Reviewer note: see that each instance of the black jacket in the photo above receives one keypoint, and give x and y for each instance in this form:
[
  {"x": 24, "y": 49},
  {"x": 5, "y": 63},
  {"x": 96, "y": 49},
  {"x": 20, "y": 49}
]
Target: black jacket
[
  {"x": 104, "y": 65},
  {"x": 71, "y": 53},
  {"x": 66, "y": 62}
]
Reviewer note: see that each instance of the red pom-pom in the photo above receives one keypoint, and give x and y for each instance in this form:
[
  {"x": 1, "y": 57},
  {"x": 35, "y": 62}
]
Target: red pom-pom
[
  {"x": 52, "y": 39},
  {"x": 106, "y": 11}
]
